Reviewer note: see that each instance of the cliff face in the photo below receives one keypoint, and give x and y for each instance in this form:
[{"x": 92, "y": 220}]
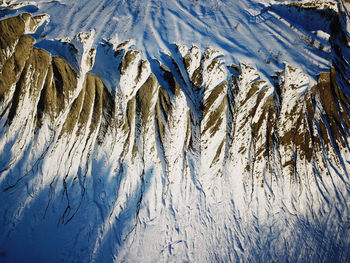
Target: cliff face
[{"x": 187, "y": 159}]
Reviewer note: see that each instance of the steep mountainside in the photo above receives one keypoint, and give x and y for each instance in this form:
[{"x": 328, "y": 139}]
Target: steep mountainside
[{"x": 175, "y": 153}]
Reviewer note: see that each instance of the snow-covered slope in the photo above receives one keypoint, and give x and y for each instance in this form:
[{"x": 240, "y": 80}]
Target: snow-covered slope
[
  {"x": 174, "y": 131},
  {"x": 255, "y": 32}
]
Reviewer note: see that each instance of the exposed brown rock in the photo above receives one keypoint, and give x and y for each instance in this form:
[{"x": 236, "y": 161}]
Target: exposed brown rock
[{"x": 145, "y": 96}]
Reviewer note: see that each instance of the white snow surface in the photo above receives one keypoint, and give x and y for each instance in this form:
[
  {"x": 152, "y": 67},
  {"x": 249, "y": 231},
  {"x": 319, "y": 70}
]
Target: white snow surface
[
  {"x": 169, "y": 203},
  {"x": 245, "y": 31}
]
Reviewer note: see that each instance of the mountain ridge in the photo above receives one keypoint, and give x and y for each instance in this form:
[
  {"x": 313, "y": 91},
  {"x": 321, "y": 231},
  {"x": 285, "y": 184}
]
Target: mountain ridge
[{"x": 187, "y": 157}]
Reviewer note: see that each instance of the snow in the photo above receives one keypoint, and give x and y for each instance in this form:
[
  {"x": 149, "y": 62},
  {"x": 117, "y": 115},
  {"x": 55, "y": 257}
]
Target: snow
[
  {"x": 140, "y": 195},
  {"x": 244, "y": 31}
]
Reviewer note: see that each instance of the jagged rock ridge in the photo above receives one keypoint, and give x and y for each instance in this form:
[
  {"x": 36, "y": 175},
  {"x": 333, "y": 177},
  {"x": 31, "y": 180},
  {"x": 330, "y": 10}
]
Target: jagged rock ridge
[{"x": 187, "y": 157}]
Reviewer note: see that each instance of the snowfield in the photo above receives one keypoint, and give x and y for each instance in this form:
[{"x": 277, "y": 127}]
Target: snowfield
[
  {"x": 248, "y": 31},
  {"x": 174, "y": 131}
]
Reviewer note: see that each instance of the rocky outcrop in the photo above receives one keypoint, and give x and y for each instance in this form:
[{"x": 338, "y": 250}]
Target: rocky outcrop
[{"x": 164, "y": 144}]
